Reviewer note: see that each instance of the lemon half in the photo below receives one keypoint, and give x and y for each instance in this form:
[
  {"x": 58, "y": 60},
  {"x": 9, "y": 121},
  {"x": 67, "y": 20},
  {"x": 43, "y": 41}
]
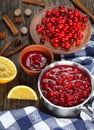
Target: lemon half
[
  {"x": 22, "y": 92},
  {"x": 8, "y": 70}
]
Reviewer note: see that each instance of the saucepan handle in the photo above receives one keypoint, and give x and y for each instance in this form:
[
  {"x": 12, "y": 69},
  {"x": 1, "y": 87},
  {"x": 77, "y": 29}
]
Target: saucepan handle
[
  {"x": 87, "y": 111},
  {"x": 88, "y": 108}
]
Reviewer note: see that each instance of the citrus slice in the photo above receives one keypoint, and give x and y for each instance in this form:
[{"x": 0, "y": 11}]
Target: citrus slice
[
  {"x": 8, "y": 70},
  {"x": 22, "y": 92}
]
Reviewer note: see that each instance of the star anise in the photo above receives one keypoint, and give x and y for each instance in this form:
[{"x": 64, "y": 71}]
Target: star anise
[
  {"x": 3, "y": 35},
  {"x": 18, "y": 20}
]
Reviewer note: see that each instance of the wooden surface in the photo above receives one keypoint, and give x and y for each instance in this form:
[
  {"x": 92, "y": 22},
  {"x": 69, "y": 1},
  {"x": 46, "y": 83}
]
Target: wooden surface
[{"x": 8, "y": 7}]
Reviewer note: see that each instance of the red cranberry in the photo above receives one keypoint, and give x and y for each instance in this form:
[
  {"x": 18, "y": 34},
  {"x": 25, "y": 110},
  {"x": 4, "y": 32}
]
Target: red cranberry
[
  {"x": 78, "y": 42},
  {"x": 42, "y": 40},
  {"x": 48, "y": 13},
  {"x": 39, "y": 30},
  {"x": 65, "y": 24},
  {"x": 83, "y": 26},
  {"x": 76, "y": 12},
  {"x": 85, "y": 19},
  {"x": 67, "y": 45}
]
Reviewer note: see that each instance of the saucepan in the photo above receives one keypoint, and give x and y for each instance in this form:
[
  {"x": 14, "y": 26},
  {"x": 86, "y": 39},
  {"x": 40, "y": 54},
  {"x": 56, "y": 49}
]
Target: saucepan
[{"x": 60, "y": 110}]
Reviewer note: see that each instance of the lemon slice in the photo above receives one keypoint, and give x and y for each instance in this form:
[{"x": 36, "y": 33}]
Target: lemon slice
[
  {"x": 8, "y": 70},
  {"x": 22, "y": 92}
]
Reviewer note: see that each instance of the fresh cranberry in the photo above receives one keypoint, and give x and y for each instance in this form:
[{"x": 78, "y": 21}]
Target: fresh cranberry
[
  {"x": 56, "y": 40},
  {"x": 72, "y": 41},
  {"x": 38, "y": 26},
  {"x": 60, "y": 26},
  {"x": 49, "y": 25},
  {"x": 76, "y": 19},
  {"x": 85, "y": 19},
  {"x": 48, "y": 13},
  {"x": 65, "y": 24},
  {"x": 80, "y": 17},
  {"x": 83, "y": 26},
  {"x": 75, "y": 35},
  {"x": 62, "y": 44},
  {"x": 70, "y": 11},
  {"x": 57, "y": 30},
  {"x": 39, "y": 30},
  {"x": 80, "y": 36},
  {"x": 71, "y": 16},
  {"x": 54, "y": 11},
  {"x": 42, "y": 40},
  {"x": 55, "y": 44},
  {"x": 67, "y": 45},
  {"x": 76, "y": 12},
  {"x": 53, "y": 19},
  {"x": 43, "y": 20},
  {"x": 78, "y": 42},
  {"x": 62, "y": 9}
]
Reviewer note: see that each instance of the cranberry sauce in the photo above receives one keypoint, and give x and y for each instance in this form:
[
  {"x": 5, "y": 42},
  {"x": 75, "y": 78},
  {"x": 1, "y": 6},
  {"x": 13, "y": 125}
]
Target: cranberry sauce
[
  {"x": 65, "y": 85},
  {"x": 35, "y": 60}
]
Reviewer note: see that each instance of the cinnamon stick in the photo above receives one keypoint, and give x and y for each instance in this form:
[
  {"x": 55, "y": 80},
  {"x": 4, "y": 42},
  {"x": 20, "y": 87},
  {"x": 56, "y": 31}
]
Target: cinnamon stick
[
  {"x": 34, "y": 2},
  {"x": 15, "y": 50},
  {"x": 5, "y": 48},
  {"x": 10, "y": 24},
  {"x": 81, "y": 6}
]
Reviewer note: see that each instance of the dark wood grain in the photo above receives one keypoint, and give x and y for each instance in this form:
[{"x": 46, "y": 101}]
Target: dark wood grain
[{"x": 7, "y": 7}]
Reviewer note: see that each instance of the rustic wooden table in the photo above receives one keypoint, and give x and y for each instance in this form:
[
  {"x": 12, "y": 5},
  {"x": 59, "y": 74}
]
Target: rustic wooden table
[{"x": 7, "y": 7}]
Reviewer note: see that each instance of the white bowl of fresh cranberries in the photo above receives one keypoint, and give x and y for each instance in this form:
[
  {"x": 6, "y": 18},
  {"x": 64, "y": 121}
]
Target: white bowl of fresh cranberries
[
  {"x": 63, "y": 29},
  {"x": 65, "y": 87}
]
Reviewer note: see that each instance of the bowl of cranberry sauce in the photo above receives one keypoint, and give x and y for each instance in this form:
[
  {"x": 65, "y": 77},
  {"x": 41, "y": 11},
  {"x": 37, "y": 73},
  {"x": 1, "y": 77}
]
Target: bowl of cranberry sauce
[
  {"x": 34, "y": 58},
  {"x": 65, "y": 86}
]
